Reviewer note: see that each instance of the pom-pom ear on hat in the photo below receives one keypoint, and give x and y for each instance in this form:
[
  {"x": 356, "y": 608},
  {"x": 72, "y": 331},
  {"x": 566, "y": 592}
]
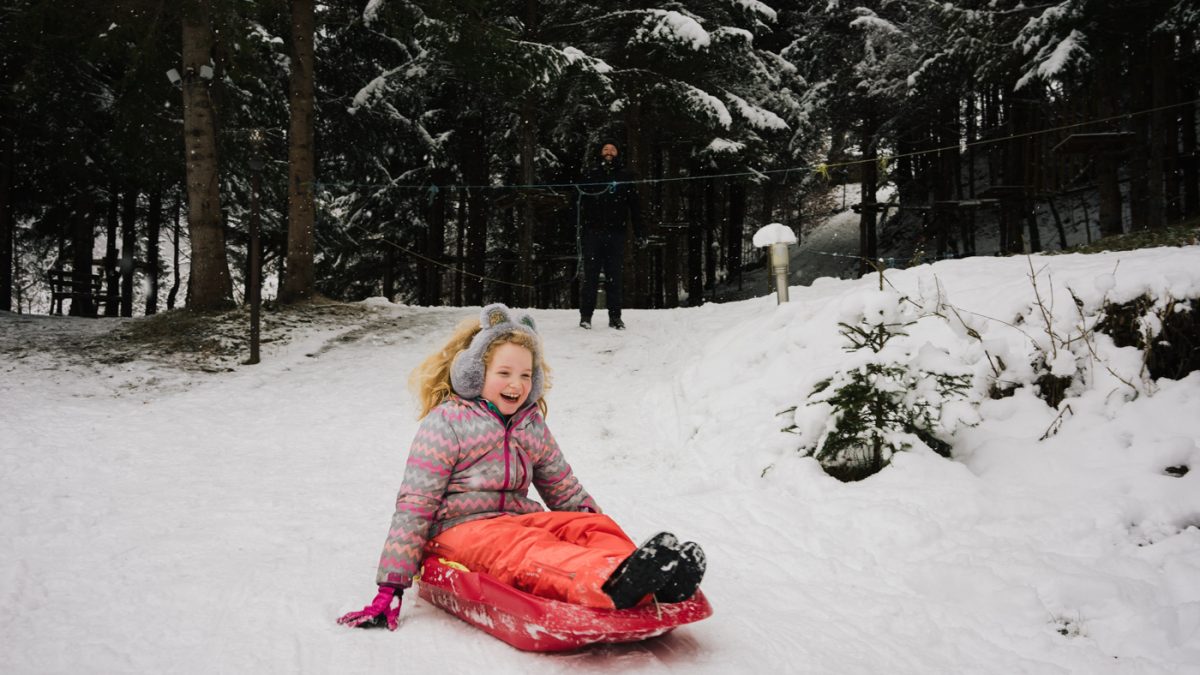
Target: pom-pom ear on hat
[{"x": 496, "y": 321}]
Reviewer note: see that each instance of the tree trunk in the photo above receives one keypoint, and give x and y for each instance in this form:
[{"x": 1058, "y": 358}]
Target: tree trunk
[
  {"x": 867, "y": 248},
  {"x": 947, "y": 172},
  {"x": 1156, "y": 175},
  {"x": 7, "y": 235},
  {"x": 711, "y": 232},
  {"x": 528, "y": 222},
  {"x": 695, "y": 232},
  {"x": 389, "y": 276},
  {"x": 1106, "y": 162},
  {"x": 671, "y": 218},
  {"x": 1062, "y": 233},
  {"x": 112, "y": 275},
  {"x": 968, "y": 221},
  {"x": 175, "y": 277},
  {"x": 82, "y": 241},
  {"x": 1139, "y": 166},
  {"x": 300, "y": 283},
  {"x": 128, "y": 248},
  {"x": 435, "y": 243},
  {"x": 1173, "y": 199},
  {"x": 733, "y": 235},
  {"x": 637, "y": 160},
  {"x": 153, "y": 231},
  {"x": 475, "y": 170},
  {"x": 209, "y": 284},
  {"x": 1188, "y": 91},
  {"x": 769, "y": 190},
  {"x": 460, "y": 224}
]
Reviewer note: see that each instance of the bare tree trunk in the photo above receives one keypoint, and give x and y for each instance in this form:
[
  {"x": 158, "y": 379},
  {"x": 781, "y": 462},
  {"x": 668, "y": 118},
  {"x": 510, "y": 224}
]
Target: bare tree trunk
[
  {"x": 711, "y": 230},
  {"x": 128, "y": 248},
  {"x": 1106, "y": 162},
  {"x": 867, "y": 248},
  {"x": 1189, "y": 88},
  {"x": 671, "y": 218},
  {"x": 82, "y": 241},
  {"x": 1158, "y": 129},
  {"x": 112, "y": 276},
  {"x": 1173, "y": 199},
  {"x": 1062, "y": 233},
  {"x": 528, "y": 223},
  {"x": 695, "y": 257},
  {"x": 968, "y": 221},
  {"x": 528, "y": 146},
  {"x": 301, "y": 277},
  {"x": 436, "y": 242},
  {"x": 947, "y": 162},
  {"x": 1140, "y": 161},
  {"x": 637, "y": 160},
  {"x": 769, "y": 191},
  {"x": 209, "y": 284},
  {"x": 389, "y": 276},
  {"x": 459, "y": 249},
  {"x": 475, "y": 172},
  {"x": 175, "y": 280},
  {"x": 153, "y": 230},
  {"x": 7, "y": 239},
  {"x": 733, "y": 235}
]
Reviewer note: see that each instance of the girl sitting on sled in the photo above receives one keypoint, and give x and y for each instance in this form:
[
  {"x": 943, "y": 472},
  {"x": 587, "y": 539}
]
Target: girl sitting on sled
[{"x": 482, "y": 442}]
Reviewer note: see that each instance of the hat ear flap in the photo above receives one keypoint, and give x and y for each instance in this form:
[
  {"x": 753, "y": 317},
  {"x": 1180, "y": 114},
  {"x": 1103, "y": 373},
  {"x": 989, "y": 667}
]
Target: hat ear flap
[
  {"x": 527, "y": 321},
  {"x": 493, "y": 315}
]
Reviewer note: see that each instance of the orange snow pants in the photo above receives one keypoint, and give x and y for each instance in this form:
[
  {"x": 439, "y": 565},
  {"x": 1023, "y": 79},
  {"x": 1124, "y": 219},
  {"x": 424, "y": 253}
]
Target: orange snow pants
[{"x": 563, "y": 555}]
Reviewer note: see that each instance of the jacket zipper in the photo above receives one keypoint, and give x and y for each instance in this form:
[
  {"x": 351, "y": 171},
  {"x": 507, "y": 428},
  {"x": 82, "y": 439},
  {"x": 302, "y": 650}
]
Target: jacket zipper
[{"x": 512, "y": 423}]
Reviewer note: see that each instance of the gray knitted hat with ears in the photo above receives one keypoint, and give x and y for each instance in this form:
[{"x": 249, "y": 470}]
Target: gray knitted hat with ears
[{"x": 468, "y": 368}]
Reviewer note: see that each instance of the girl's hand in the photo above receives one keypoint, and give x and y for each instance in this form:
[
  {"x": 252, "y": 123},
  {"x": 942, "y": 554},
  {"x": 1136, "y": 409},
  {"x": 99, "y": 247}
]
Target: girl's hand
[{"x": 384, "y": 608}]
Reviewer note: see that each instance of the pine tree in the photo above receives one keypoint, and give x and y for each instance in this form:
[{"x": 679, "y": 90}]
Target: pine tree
[{"x": 856, "y": 419}]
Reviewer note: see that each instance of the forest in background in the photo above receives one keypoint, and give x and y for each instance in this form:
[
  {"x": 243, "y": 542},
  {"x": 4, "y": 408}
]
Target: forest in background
[{"x": 426, "y": 150}]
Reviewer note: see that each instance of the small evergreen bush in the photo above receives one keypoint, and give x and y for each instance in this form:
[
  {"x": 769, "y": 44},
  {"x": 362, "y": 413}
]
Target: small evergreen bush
[{"x": 856, "y": 419}]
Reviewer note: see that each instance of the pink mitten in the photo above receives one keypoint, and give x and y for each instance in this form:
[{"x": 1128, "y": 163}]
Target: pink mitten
[{"x": 382, "y": 607}]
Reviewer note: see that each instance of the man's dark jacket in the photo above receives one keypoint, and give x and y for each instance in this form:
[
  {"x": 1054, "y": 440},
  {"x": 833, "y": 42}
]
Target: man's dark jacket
[{"x": 607, "y": 211}]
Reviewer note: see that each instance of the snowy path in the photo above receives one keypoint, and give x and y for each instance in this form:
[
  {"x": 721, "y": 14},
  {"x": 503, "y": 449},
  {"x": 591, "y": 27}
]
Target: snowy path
[{"x": 820, "y": 253}]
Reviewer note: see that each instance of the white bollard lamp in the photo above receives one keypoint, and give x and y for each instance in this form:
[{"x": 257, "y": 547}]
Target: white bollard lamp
[{"x": 777, "y": 237}]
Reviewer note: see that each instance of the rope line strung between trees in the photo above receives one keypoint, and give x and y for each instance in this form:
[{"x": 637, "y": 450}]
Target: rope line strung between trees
[
  {"x": 459, "y": 270},
  {"x": 821, "y": 169}
]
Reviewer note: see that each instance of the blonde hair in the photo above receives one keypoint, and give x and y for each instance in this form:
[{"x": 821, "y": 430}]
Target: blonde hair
[{"x": 430, "y": 381}]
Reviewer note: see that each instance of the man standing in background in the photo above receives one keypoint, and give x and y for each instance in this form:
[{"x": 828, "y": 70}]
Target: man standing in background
[{"x": 608, "y": 198}]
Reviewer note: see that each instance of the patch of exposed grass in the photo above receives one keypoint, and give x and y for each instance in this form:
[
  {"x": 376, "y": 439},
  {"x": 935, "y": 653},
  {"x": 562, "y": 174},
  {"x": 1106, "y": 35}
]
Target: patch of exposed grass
[
  {"x": 208, "y": 341},
  {"x": 1187, "y": 234}
]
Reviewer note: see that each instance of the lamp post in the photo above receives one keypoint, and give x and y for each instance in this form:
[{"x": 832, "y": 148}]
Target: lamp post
[
  {"x": 254, "y": 283},
  {"x": 777, "y": 237}
]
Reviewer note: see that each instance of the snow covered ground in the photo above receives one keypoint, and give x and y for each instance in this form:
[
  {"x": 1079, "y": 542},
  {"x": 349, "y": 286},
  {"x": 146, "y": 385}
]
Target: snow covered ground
[{"x": 161, "y": 519}]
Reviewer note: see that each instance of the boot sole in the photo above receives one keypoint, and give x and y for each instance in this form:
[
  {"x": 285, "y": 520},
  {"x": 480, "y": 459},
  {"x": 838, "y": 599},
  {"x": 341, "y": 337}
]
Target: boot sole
[
  {"x": 692, "y": 565},
  {"x": 645, "y": 571}
]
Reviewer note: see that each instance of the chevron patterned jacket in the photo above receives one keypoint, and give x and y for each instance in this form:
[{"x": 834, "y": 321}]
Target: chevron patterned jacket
[{"x": 466, "y": 464}]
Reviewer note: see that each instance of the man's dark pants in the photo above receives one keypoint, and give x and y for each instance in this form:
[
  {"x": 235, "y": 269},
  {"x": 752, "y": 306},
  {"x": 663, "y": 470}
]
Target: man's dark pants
[{"x": 603, "y": 251}]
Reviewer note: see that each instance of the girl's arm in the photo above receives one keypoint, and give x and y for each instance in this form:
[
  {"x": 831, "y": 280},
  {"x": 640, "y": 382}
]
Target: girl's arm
[
  {"x": 431, "y": 461},
  {"x": 555, "y": 481}
]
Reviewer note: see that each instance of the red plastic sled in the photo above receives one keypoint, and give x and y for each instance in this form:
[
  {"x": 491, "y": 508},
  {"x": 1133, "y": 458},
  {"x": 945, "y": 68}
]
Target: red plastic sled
[{"x": 540, "y": 624}]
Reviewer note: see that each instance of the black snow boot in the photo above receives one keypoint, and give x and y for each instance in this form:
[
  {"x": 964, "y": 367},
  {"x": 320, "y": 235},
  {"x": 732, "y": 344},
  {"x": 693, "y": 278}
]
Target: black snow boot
[
  {"x": 645, "y": 571},
  {"x": 683, "y": 584}
]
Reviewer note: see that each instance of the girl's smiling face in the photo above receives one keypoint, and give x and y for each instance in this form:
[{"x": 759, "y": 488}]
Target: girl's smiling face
[{"x": 509, "y": 377}]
